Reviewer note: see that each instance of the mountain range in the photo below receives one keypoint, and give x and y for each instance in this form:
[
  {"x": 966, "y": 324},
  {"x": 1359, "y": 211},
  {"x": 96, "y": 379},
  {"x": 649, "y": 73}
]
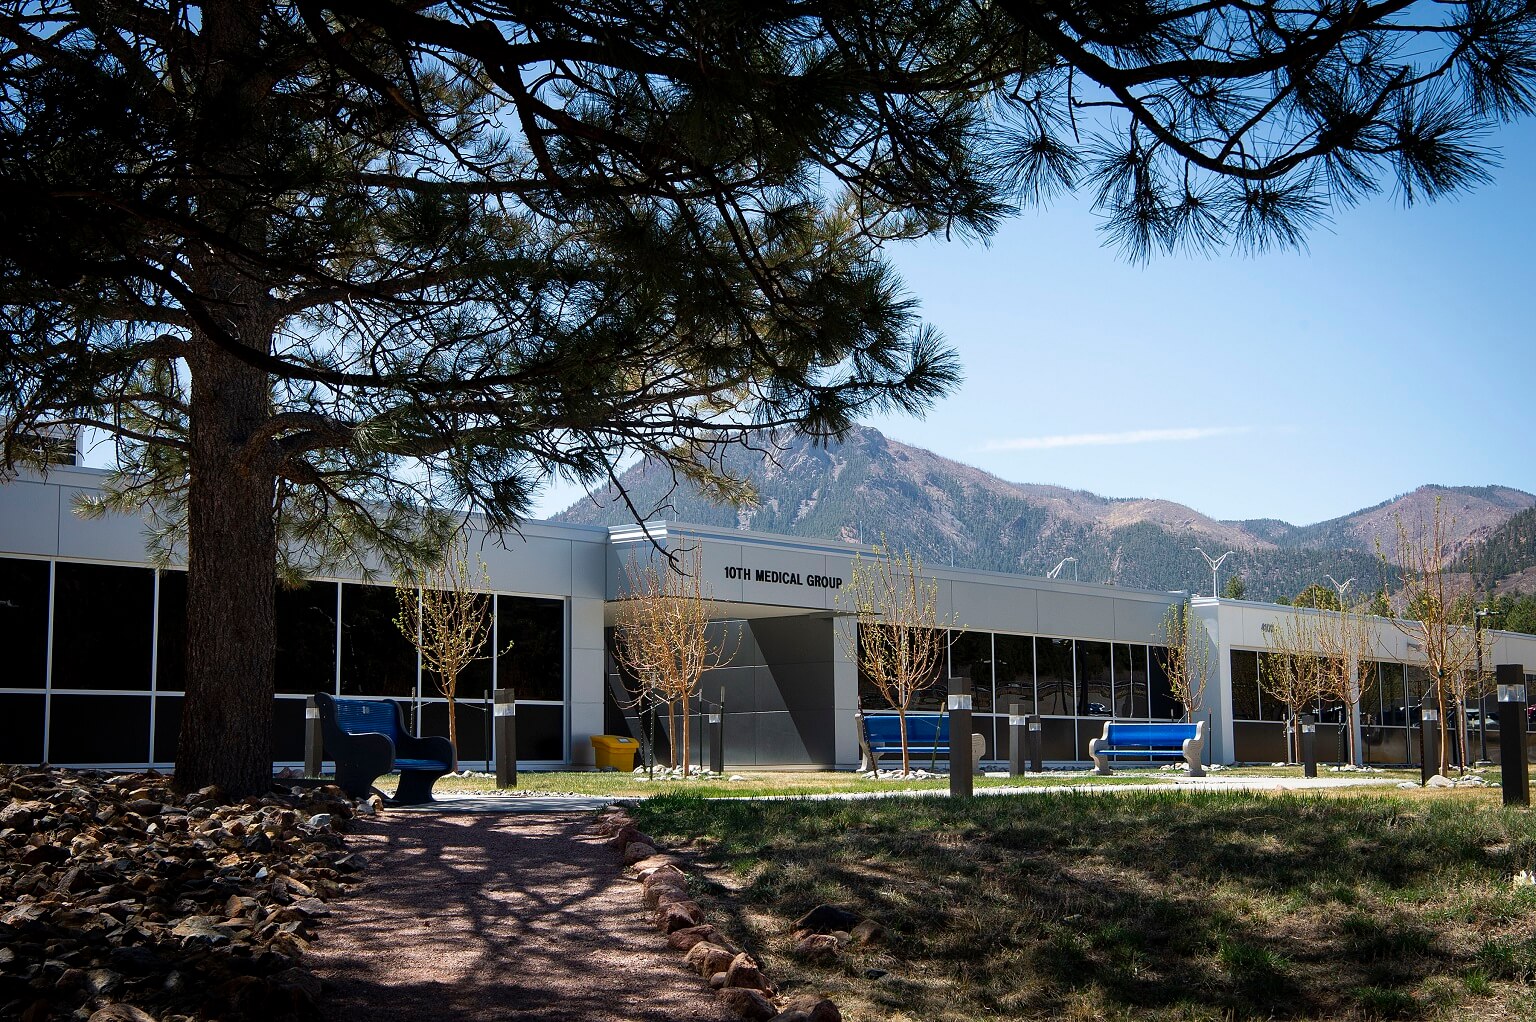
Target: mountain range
[{"x": 868, "y": 485}]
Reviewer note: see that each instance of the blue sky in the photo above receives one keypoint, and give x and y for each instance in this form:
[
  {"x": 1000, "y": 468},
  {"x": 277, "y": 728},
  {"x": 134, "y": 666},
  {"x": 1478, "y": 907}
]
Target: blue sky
[{"x": 1397, "y": 350}]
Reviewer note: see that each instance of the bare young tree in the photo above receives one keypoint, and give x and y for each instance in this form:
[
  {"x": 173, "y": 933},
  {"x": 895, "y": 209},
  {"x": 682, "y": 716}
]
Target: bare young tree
[
  {"x": 1427, "y": 608},
  {"x": 445, "y": 612},
  {"x": 1292, "y": 672},
  {"x": 901, "y": 639},
  {"x": 1344, "y": 640},
  {"x": 1186, "y": 658},
  {"x": 663, "y": 638}
]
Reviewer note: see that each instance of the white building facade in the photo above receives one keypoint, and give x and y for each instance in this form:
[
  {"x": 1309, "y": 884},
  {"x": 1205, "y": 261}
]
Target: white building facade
[{"x": 93, "y": 637}]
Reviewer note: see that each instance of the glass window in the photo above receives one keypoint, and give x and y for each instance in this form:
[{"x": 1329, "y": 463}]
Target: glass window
[
  {"x": 171, "y": 640},
  {"x": 99, "y": 729},
  {"x": 21, "y": 728},
  {"x": 1053, "y": 676},
  {"x": 24, "y": 625},
  {"x": 1164, "y": 706},
  {"x": 376, "y": 659},
  {"x": 306, "y": 638},
  {"x": 1130, "y": 681},
  {"x": 1014, "y": 672},
  {"x": 102, "y": 632},
  {"x": 970, "y": 656},
  {"x": 541, "y": 733},
  {"x": 534, "y": 668},
  {"x": 1270, "y": 708},
  {"x": 1393, "y": 696},
  {"x": 1416, "y": 685},
  {"x": 1095, "y": 696},
  {"x": 1245, "y": 685}
]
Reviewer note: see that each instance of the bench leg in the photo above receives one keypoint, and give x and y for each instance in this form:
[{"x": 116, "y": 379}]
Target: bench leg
[
  {"x": 1100, "y": 761},
  {"x": 416, "y": 787},
  {"x": 355, "y": 780},
  {"x": 1192, "y": 750}
]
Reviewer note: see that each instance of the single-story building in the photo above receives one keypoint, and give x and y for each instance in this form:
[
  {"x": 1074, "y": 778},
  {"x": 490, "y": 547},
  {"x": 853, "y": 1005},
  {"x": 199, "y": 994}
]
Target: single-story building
[{"x": 94, "y": 635}]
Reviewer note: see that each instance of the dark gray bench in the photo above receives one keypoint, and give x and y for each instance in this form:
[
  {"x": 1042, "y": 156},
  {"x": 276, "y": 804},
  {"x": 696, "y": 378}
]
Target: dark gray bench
[
  {"x": 1137, "y": 740},
  {"x": 367, "y": 738}
]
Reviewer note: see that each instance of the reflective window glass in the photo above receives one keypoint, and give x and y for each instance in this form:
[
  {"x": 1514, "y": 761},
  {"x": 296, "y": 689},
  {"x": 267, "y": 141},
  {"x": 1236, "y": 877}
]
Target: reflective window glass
[
  {"x": 534, "y": 666},
  {"x": 1245, "y": 685},
  {"x": 376, "y": 659},
  {"x": 306, "y": 638},
  {"x": 1014, "y": 671},
  {"x": 970, "y": 656},
  {"x": 103, "y": 630},
  {"x": 171, "y": 639},
  {"x": 1164, "y": 706},
  {"x": 1095, "y": 697},
  {"x": 1053, "y": 676},
  {"x": 24, "y": 623}
]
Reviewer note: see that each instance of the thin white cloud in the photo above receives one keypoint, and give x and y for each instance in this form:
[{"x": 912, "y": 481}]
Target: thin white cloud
[{"x": 1133, "y": 436}]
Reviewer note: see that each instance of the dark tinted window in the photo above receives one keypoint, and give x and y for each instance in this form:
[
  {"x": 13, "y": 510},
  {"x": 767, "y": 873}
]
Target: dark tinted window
[
  {"x": 970, "y": 656},
  {"x": 1164, "y": 705},
  {"x": 1015, "y": 671},
  {"x": 99, "y": 729},
  {"x": 103, "y": 629},
  {"x": 306, "y": 638},
  {"x": 24, "y": 624},
  {"x": 376, "y": 659},
  {"x": 171, "y": 640},
  {"x": 534, "y": 668},
  {"x": 1053, "y": 675},
  {"x": 1094, "y": 694},
  {"x": 1245, "y": 684},
  {"x": 21, "y": 728}
]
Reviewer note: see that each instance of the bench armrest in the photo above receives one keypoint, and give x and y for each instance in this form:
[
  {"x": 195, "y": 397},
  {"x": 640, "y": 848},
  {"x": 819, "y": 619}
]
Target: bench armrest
[
  {"x": 430, "y": 747},
  {"x": 368, "y": 751}
]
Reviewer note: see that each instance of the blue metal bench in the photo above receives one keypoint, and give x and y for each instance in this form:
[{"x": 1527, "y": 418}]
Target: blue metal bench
[
  {"x": 1135, "y": 740},
  {"x": 367, "y": 738},
  {"x": 927, "y": 737}
]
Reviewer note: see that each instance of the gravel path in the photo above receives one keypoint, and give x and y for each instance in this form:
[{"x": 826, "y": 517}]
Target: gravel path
[{"x": 498, "y": 917}]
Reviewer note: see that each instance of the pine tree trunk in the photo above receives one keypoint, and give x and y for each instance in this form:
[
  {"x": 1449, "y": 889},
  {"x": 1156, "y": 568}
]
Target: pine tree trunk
[{"x": 226, "y": 720}]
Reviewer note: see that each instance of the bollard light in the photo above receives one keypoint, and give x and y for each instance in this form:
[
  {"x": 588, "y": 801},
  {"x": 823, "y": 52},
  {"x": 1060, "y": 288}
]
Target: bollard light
[
  {"x": 1036, "y": 744},
  {"x": 1514, "y": 769},
  {"x": 961, "y": 781},
  {"x": 1018, "y": 724},
  {"x": 1308, "y": 745},
  {"x": 505, "y": 737},
  {"x": 313, "y": 742},
  {"x": 1429, "y": 744}
]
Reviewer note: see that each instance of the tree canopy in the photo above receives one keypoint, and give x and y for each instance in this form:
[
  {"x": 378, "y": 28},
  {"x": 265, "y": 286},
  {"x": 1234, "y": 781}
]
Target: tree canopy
[{"x": 317, "y": 267}]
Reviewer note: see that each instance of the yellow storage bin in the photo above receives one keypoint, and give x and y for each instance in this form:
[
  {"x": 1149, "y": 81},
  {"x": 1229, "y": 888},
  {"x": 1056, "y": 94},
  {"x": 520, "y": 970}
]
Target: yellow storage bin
[{"x": 615, "y": 752}]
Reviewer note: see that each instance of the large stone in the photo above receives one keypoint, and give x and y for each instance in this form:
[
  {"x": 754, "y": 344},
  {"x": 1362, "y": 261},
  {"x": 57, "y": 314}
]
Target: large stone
[
  {"x": 635, "y": 851},
  {"x": 867, "y": 932},
  {"x": 707, "y": 959},
  {"x": 686, "y": 938},
  {"x": 121, "y": 1013},
  {"x": 627, "y": 836},
  {"x": 809, "y": 1008},
  {"x": 750, "y": 1005},
  {"x": 666, "y": 889},
  {"x": 818, "y": 947},
  {"x": 678, "y": 915},
  {"x": 744, "y": 972},
  {"x": 826, "y": 918}
]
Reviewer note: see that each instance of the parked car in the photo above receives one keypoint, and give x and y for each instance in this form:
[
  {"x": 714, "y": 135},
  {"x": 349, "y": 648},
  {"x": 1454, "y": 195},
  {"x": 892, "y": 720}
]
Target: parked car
[{"x": 1475, "y": 716}]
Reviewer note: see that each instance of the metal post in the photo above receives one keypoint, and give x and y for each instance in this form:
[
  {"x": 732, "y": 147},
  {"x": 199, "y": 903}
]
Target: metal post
[
  {"x": 506, "y": 738},
  {"x": 1018, "y": 728},
  {"x": 1036, "y": 749},
  {"x": 1513, "y": 767},
  {"x": 717, "y": 740},
  {"x": 1309, "y": 745},
  {"x": 312, "y": 740},
  {"x": 961, "y": 783},
  {"x": 1482, "y": 692},
  {"x": 1429, "y": 743}
]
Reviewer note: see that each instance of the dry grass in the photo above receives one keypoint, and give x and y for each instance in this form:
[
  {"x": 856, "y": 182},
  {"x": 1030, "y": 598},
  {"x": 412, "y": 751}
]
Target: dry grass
[{"x": 1139, "y": 906}]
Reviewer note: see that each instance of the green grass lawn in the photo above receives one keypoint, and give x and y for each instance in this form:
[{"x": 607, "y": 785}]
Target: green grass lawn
[
  {"x": 756, "y": 783},
  {"x": 1137, "y": 905}
]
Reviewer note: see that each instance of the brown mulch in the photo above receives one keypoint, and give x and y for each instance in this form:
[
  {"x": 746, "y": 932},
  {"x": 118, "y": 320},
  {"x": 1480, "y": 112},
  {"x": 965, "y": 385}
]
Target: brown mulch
[{"x": 498, "y": 916}]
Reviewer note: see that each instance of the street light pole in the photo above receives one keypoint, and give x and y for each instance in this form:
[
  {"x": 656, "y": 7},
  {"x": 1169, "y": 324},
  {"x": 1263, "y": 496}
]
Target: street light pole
[
  {"x": 1062, "y": 564},
  {"x": 1341, "y": 588},
  {"x": 1216, "y": 563}
]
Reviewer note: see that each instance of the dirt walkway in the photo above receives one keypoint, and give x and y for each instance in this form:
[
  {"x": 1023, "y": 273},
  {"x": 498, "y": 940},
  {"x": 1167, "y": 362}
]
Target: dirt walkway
[{"x": 506, "y": 916}]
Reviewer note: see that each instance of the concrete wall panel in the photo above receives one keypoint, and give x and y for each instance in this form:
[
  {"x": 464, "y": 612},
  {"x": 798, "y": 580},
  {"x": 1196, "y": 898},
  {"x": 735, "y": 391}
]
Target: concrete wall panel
[
  {"x": 30, "y": 512},
  {"x": 1077, "y": 615}
]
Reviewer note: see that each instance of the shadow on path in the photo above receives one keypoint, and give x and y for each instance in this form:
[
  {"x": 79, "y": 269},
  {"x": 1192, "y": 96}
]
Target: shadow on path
[{"x": 517, "y": 917}]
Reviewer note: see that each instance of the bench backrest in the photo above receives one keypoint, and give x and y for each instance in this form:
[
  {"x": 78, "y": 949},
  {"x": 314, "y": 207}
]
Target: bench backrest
[
  {"x": 1159, "y": 735},
  {"x": 362, "y": 716},
  {"x": 923, "y": 729}
]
